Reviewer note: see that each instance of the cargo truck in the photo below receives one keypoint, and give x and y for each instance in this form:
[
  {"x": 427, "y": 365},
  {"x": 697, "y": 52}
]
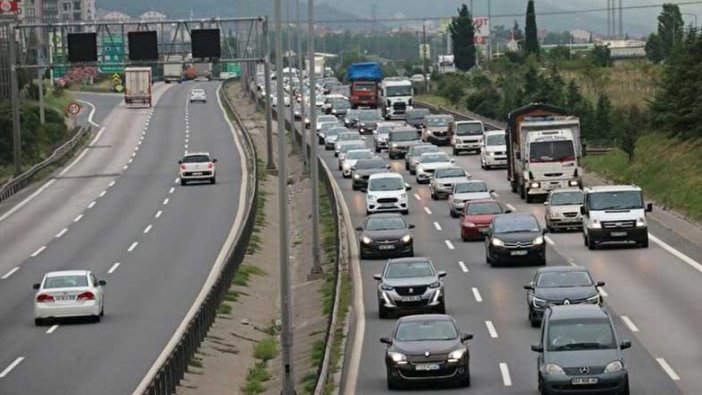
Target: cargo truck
[
  {"x": 203, "y": 70},
  {"x": 173, "y": 72},
  {"x": 364, "y": 79},
  {"x": 543, "y": 150},
  {"x": 319, "y": 66},
  {"x": 137, "y": 85}
]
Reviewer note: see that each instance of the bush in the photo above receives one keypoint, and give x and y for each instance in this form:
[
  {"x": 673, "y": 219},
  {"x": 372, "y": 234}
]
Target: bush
[{"x": 266, "y": 349}]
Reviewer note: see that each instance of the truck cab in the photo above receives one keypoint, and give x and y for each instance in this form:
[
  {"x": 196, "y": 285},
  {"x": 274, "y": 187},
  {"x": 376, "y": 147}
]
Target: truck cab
[
  {"x": 614, "y": 213},
  {"x": 467, "y": 136},
  {"x": 364, "y": 79},
  {"x": 395, "y": 97}
]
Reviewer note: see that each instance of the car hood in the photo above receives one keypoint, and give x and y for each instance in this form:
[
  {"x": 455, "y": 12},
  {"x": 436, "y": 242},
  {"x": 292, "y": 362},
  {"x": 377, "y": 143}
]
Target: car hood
[
  {"x": 368, "y": 172},
  {"x": 561, "y": 293},
  {"x": 434, "y": 165},
  {"x": 472, "y": 195},
  {"x": 478, "y": 219},
  {"x": 383, "y": 194},
  {"x": 523, "y": 237},
  {"x": 571, "y": 208},
  {"x": 410, "y": 281},
  {"x": 580, "y": 358},
  {"x": 430, "y": 346},
  {"x": 617, "y": 215},
  {"x": 385, "y": 234}
]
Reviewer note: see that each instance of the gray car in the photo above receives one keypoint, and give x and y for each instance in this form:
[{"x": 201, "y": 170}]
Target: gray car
[
  {"x": 563, "y": 209},
  {"x": 415, "y": 152},
  {"x": 410, "y": 284},
  {"x": 444, "y": 179},
  {"x": 579, "y": 352},
  {"x": 331, "y": 136},
  {"x": 400, "y": 140},
  {"x": 386, "y": 235}
]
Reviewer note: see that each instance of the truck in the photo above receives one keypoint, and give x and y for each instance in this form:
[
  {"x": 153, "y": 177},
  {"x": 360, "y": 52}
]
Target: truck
[
  {"x": 319, "y": 66},
  {"x": 395, "y": 97},
  {"x": 544, "y": 151},
  {"x": 203, "y": 70},
  {"x": 446, "y": 64},
  {"x": 364, "y": 79},
  {"x": 173, "y": 72},
  {"x": 137, "y": 85}
]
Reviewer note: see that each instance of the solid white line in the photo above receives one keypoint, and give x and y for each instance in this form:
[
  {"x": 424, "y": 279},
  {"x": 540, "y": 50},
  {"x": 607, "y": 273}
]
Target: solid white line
[
  {"x": 509, "y": 206},
  {"x": 571, "y": 261},
  {"x": 476, "y": 295},
  {"x": 416, "y": 196},
  {"x": 12, "y": 366},
  {"x": 92, "y": 204},
  {"x": 463, "y": 266},
  {"x": 677, "y": 253},
  {"x": 437, "y": 226},
  {"x": 52, "y": 329},
  {"x": 113, "y": 268},
  {"x": 491, "y": 329},
  {"x": 548, "y": 240},
  {"x": 630, "y": 324},
  {"x": 62, "y": 232},
  {"x": 165, "y": 201},
  {"x": 506, "y": 379},
  {"x": 11, "y": 272},
  {"x": 133, "y": 246},
  {"x": 78, "y": 218},
  {"x": 92, "y": 112},
  {"x": 171, "y": 190},
  {"x": 427, "y": 210},
  {"x": 111, "y": 184},
  {"x": 103, "y": 193},
  {"x": 603, "y": 292},
  {"x": 148, "y": 229},
  {"x": 38, "y": 251},
  {"x": 668, "y": 369},
  {"x": 158, "y": 214},
  {"x": 449, "y": 244}
]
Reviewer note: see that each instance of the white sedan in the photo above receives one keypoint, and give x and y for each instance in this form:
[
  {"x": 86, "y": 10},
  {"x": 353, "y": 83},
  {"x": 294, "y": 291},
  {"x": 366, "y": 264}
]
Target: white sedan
[
  {"x": 69, "y": 293},
  {"x": 346, "y": 165},
  {"x": 197, "y": 166},
  {"x": 428, "y": 163},
  {"x": 198, "y": 95}
]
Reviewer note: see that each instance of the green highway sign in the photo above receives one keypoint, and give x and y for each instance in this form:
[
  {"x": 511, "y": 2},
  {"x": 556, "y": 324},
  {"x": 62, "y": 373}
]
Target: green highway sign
[
  {"x": 112, "y": 52},
  {"x": 234, "y": 69}
]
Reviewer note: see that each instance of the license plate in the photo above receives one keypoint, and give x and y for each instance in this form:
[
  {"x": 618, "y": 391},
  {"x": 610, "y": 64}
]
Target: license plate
[
  {"x": 388, "y": 247},
  {"x": 618, "y": 234},
  {"x": 522, "y": 252},
  {"x": 197, "y": 174},
  {"x": 415, "y": 298},
  {"x": 427, "y": 366},
  {"x": 64, "y": 298},
  {"x": 584, "y": 381},
  {"x": 387, "y": 206}
]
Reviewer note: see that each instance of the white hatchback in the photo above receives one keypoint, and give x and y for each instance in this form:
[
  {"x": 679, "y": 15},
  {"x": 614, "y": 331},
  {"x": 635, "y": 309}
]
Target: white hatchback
[
  {"x": 387, "y": 192},
  {"x": 197, "y": 166},
  {"x": 69, "y": 293},
  {"x": 198, "y": 95}
]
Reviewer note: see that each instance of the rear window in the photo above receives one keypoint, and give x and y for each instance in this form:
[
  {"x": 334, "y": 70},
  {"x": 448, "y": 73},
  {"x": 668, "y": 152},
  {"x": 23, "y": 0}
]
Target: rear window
[
  {"x": 196, "y": 159},
  {"x": 485, "y": 208},
  {"x": 580, "y": 334},
  {"x": 407, "y": 135},
  {"x": 66, "y": 282},
  {"x": 418, "y": 113}
]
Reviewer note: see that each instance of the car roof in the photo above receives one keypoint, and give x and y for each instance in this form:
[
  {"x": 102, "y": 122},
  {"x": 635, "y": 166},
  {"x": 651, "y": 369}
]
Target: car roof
[
  {"x": 471, "y": 182},
  {"x": 561, "y": 269},
  {"x": 385, "y": 215},
  {"x": 440, "y": 116},
  {"x": 68, "y": 273},
  {"x": 386, "y": 175},
  {"x": 568, "y": 189},
  {"x": 612, "y": 188},
  {"x": 470, "y": 121},
  {"x": 426, "y": 317},
  {"x": 196, "y": 154},
  {"x": 403, "y": 128},
  {"x": 359, "y": 150},
  {"x": 567, "y": 312},
  {"x": 433, "y": 153}
]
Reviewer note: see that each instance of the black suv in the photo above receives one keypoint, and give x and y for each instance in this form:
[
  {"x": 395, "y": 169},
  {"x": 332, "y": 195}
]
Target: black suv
[{"x": 579, "y": 352}]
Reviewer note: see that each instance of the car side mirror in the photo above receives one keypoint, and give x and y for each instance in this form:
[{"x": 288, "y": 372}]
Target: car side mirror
[
  {"x": 545, "y": 203},
  {"x": 388, "y": 166},
  {"x": 102, "y": 283},
  {"x": 649, "y": 207},
  {"x": 408, "y": 187},
  {"x": 625, "y": 344},
  {"x": 466, "y": 336},
  {"x": 386, "y": 340},
  {"x": 582, "y": 210},
  {"x": 180, "y": 162},
  {"x": 214, "y": 160},
  {"x": 600, "y": 284},
  {"x": 36, "y": 286},
  {"x": 492, "y": 191},
  {"x": 441, "y": 274},
  {"x": 410, "y": 226},
  {"x": 544, "y": 231},
  {"x": 378, "y": 277},
  {"x": 537, "y": 348},
  {"x": 529, "y": 287},
  {"x": 508, "y": 211},
  {"x": 359, "y": 229},
  {"x": 452, "y": 160}
]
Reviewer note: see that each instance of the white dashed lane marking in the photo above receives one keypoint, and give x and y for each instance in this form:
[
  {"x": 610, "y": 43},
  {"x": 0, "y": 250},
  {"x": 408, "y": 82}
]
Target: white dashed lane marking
[
  {"x": 427, "y": 210},
  {"x": 630, "y": 324},
  {"x": 476, "y": 295},
  {"x": 158, "y": 214},
  {"x": 78, "y": 218},
  {"x": 509, "y": 206},
  {"x": 52, "y": 329},
  {"x": 92, "y": 204},
  {"x": 148, "y": 229},
  {"x": 463, "y": 266},
  {"x": 61, "y": 233},
  {"x": 449, "y": 245},
  {"x": 416, "y": 196},
  {"x": 504, "y": 371},
  {"x": 38, "y": 251},
  {"x": 133, "y": 246},
  {"x": 668, "y": 369},
  {"x": 10, "y": 273},
  {"x": 548, "y": 240},
  {"x": 437, "y": 226},
  {"x": 113, "y": 268},
  {"x": 491, "y": 329},
  {"x": 10, "y": 367}
]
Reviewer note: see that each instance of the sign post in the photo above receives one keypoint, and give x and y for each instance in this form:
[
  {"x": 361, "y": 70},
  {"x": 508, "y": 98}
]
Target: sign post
[{"x": 72, "y": 110}]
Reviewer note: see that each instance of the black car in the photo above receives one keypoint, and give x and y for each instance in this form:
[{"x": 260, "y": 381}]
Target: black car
[
  {"x": 580, "y": 353},
  {"x": 339, "y": 107},
  {"x": 427, "y": 348},
  {"x": 560, "y": 285},
  {"x": 364, "y": 168},
  {"x": 386, "y": 235},
  {"x": 515, "y": 237},
  {"x": 410, "y": 284},
  {"x": 351, "y": 118},
  {"x": 415, "y": 117},
  {"x": 368, "y": 120}
]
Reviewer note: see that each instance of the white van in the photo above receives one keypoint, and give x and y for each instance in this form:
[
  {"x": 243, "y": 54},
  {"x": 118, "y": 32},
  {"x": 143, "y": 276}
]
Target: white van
[
  {"x": 493, "y": 149},
  {"x": 387, "y": 192}
]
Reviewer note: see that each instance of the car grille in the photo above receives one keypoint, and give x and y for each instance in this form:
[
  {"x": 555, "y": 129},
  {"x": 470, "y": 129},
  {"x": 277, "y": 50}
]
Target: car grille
[
  {"x": 498, "y": 153},
  {"x": 405, "y": 291},
  {"x": 365, "y": 177},
  {"x": 618, "y": 224},
  {"x": 399, "y": 106},
  {"x": 420, "y": 374},
  {"x": 448, "y": 185},
  {"x": 577, "y": 372},
  {"x": 553, "y": 174},
  {"x": 388, "y": 241},
  {"x": 518, "y": 245},
  {"x": 570, "y": 215},
  {"x": 387, "y": 200},
  {"x": 439, "y": 134},
  {"x": 190, "y": 173},
  {"x": 424, "y": 359},
  {"x": 429, "y": 170}
]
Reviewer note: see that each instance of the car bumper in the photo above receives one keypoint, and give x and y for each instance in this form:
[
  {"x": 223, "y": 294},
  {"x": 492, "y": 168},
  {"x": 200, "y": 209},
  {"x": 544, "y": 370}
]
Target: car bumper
[
  {"x": 544, "y": 187},
  {"x": 473, "y": 232},
  {"x": 189, "y": 176},
  {"x": 346, "y": 171},
  {"x": 525, "y": 255},
  {"x": 386, "y": 250},
  {"x": 329, "y": 146},
  {"x": 438, "y": 140},
  {"x": 473, "y": 146},
  {"x": 565, "y": 222},
  {"x": 440, "y": 191},
  {"x": 607, "y": 383},
  {"x": 421, "y": 176},
  {"x": 626, "y": 234},
  {"x": 495, "y": 161},
  {"x": 360, "y": 183},
  {"x": 62, "y": 310},
  {"x": 447, "y": 371},
  {"x": 381, "y": 144},
  {"x": 386, "y": 207},
  {"x": 398, "y": 151}
]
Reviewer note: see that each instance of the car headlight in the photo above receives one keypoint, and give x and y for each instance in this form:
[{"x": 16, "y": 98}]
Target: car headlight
[
  {"x": 371, "y": 197},
  {"x": 596, "y": 224},
  {"x": 394, "y": 145},
  {"x": 491, "y": 153},
  {"x": 539, "y": 240},
  {"x": 535, "y": 185},
  {"x": 385, "y": 287},
  {"x": 641, "y": 222},
  {"x": 406, "y": 238},
  {"x": 552, "y": 368},
  {"x": 403, "y": 196},
  {"x": 435, "y": 284},
  {"x": 356, "y": 176},
  {"x": 594, "y": 300},
  {"x": 366, "y": 240},
  {"x": 455, "y": 355},
  {"x": 497, "y": 242},
  {"x": 397, "y": 357},
  {"x": 573, "y": 183},
  {"x": 469, "y": 225},
  {"x": 538, "y": 302},
  {"x": 614, "y": 366}
]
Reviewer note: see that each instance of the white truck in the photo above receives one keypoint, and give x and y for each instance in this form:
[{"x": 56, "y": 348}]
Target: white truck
[
  {"x": 395, "y": 99},
  {"x": 203, "y": 70},
  {"x": 137, "y": 85},
  {"x": 173, "y": 70},
  {"x": 447, "y": 64},
  {"x": 467, "y": 136},
  {"x": 543, "y": 150},
  {"x": 319, "y": 66}
]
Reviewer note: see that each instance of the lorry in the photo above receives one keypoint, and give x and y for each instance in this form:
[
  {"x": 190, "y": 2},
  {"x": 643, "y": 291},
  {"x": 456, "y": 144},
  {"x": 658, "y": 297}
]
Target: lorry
[
  {"x": 319, "y": 66},
  {"x": 395, "y": 97},
  {"x": 173, "y": 69},
  {"x": 203, "y": 70},
  {"x": 447, "y": 64},
  {"x": 543, "y": 150},
  {"x": 137, "y": 85},
  {"x": 364, "y": 79}
]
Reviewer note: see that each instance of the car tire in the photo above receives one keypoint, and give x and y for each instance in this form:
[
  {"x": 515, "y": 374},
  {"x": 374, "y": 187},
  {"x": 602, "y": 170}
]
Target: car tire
[
  {"x": 453, "y": 214},
  {"x": 377, "y": 150},
  {"x": 533, "y": 321},
  {"x": 644, "y": 242},
  {"x": 96, "y": 318},
  {"x": 488, "y": 260},
  {"x": 363, "y": 256},
  {"x": 528, "y": 198},
  {"x": 405, "y": 212},
  {"x": 440, "y": 309},
  {"x": 542, "y": 262},
  {"x": 382, "y": 312},
  {"x": 213, "y": 180},
  {"x": 455, "y": 152},
  {"x": 393, "y": 384},
  {"x": 410, "y": 254},
  {"x": 354, "y": 187},
  {"x": 413, "y": 172},
  {"x": 433, "y": 196},
  {"x": 590, "y": 243},
  {"x": 38, "y": 321},
  {"x": 183, "y": 182},
  {"x": 522, "y": 192},
  {"x": 407, "y": 166},
  {"x": 625, "y": 391}
]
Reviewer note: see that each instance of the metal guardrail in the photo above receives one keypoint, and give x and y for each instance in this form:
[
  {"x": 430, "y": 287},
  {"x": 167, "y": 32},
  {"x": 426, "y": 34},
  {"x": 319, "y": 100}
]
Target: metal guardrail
[
  {"x": 168, "y": 376},
  {"x": 23, "y": 180}
]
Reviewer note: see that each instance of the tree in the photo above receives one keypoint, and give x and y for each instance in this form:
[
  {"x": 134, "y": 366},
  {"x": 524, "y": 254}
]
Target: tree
[
  {"x": 629, "y": 125},
  {"x": 557, "y": 38},
  {"x": 518, "y": 35},
  {"x": 462, "y": 36},
  {"x": 603, "y": 118},
  {"x": 670, "y": 28},
  {"x": 601, "y": 56},
  {"x": 654, "y": 52},
  {"x": 531, "y": 45}
]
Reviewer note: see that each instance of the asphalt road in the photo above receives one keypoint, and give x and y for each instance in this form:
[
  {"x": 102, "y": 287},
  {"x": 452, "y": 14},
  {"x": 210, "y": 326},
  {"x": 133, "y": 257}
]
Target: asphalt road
[
  {"x": 657, "y": 292},
  {"x": 120, "y": 213}
]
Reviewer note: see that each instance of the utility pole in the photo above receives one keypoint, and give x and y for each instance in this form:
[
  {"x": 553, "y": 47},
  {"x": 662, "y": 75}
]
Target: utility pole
[
  {"x": 291, "y": 92},
  {"x": 314, "y": 171},
  {"x": 15, "y": 100},
  {"x": 621, "y": 20},
  {"x": 425, "y": 55},
  {"x": 267, "y": 86},
  {"x": 286, "y": 337},
  {"x": 489, "y": 46},
  {"x": 300, "y": 64},
  {"x": 609, "y": 18}
]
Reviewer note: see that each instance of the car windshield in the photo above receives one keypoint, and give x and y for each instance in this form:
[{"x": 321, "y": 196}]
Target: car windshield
[
  {"x": 619, "y": 200},
  {"x": 405, "y": 135},
  {"x": 349, "y": 136},
  {"x": 566, "y": 198},
  {"x": 372, "y": 115},
  {"x": 385, "y": 223},
  {"x": 438, "y": 121},
  {"x": 495, "y": 139},
  {"x": 371, "y": 164},
  {"x": 328, "y": 125},
  {"x": 470, "y": 187},
  {"x": 564, "y": 279},
  {"x": 409, "y": 269},
  {"x": 66, "y": 282},
  {"x": 414, "y": 331},
  {"x": 425, "y": 149},
  {"x": 352, "y": 114},
  {"x": 448, "y": 173},
  {"x": 364, "y": 86},
  {"x": 335, "y": 131},
  {"x": 486, "y": 208},
  {"x": 326, "y": 118},
  {"x": 516, "y": 223},
  {"x": 386, "y": 184},
  {"x": 393, "y": 91},
  {"x": 196, "y": 159},
  {"x": 341, "y": 104},
  {"x": 359, "y": 155},
  {"x": 580, "y": 334},
  {"x": 434, "y": 158},
  {"x": 418, "y": 114},
  {"x": 352, "y": 146},
  {"x": 551, "y": 151},
  {"x": 383, "y": 130},
  {"x": 469, "y": 129}
]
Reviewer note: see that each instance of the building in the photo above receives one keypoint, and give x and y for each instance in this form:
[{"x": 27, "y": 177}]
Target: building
[
  {"x": 115, "y": 16},
  {"x": 56, "y": 11},
  {"x": 580, "y": 36}
]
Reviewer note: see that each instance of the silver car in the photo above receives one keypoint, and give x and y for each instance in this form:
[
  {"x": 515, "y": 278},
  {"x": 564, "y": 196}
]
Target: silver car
[
  {"x": 443, "y": 180},
  {"x": 331, "y": 136},
  {"x": 381, "y": 133},
  {"x": 410, "y": 284},
  {"x": 466, "y": 191},
  {"x": 563, "y": 209},
  {"x": 415, "y": 152}
]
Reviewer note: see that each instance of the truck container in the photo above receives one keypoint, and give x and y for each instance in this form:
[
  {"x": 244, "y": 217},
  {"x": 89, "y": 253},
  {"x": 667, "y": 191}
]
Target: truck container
[
  {"x": 137, "y": 85},
  {"x": 543, "y": 150},
  {"x": 173, "y": 72},
  {"x": 364, "y": 79}
]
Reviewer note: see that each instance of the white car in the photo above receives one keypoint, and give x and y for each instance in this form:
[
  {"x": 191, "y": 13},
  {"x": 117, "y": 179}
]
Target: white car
[
  {"x": 69, "y": 293},
  {"x": 387, "y": 192},
  {"x": 444, "y": 179},
  {"x": 493, "y": 149},
  {"x": 198, "y": 94},
  {"x": 428, "y": 163},
  {"x": 346, "y": 165},
  {"x": 466, "y": 191},
  {"x": 197, "y": 166},
  {"x": 325, "y": 118},
  {"x": 344, "y": 137}
]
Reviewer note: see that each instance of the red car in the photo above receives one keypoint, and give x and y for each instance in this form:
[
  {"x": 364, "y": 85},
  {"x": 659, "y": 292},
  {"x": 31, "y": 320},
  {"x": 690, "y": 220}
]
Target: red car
[{"x": 476, "y": 218}]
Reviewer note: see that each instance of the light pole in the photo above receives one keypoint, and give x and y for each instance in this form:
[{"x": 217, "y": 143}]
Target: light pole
[
  {"x": 270, "y": 166},
  {"x": 314, "y": 171},
  {"x": 291, "y": 87},
  {"x": 300, "y": 63}
]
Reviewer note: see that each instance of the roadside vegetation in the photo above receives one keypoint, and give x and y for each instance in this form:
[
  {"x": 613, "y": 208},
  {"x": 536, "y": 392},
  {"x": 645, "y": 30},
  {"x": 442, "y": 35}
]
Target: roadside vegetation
[{"x": 257, "y": 375}]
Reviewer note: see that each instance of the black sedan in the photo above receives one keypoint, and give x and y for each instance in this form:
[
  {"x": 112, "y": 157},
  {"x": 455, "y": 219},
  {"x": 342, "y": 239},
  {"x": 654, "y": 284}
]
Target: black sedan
[
  {"x": 410, "y": 284},
  {"x": 424, "y": 348},
  {"x": 560, "y": 285},
  {"x": 364, "y": 168},
  {"x": 368, "y": 121},
  {"x": 386, "y": 235},
  {"x": 515, "y": 237}
]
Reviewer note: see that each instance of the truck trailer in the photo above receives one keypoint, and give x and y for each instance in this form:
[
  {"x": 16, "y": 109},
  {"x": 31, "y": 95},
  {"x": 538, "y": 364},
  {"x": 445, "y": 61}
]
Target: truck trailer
[{"x": 137, "y": 85}]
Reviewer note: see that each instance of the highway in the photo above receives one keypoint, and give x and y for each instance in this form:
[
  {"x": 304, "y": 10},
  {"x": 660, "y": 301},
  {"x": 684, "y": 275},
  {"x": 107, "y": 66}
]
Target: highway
[
  {"x": 653, "y": 295},
  {"x": 119, "y": 211}
]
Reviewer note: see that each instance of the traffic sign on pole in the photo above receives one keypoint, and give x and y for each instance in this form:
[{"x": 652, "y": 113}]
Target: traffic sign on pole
[{"x": 73, "y": 109}]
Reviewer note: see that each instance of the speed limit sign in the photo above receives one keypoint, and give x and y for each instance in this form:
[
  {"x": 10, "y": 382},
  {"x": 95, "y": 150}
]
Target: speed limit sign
[{"x": 73, "y": 109}]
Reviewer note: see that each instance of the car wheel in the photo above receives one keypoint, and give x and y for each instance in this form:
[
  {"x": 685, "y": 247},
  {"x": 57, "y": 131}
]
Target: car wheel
[
  {"x": 183, "y": 182},
  {"x": 410, "y": 253},
  {"x": 522, "y": 192},
  {"x": 433, "y": 195},
  {"x": 354, "y": 187},
  {"x": 453, "y": 214},
  {"x": 363, "y": 255},
  {"x": 407, "y": 166},
  {"x": 542, "y": 262},
  {"x": 213, "y": 180},
  {"x": 405, "y": 212},
  {"x": 455, "y": 152},
  {"x": 528, "y": 198},
  {"x": 644, "y": 242},
  {"x": 441, "y": 309},
  {"x": 38, "y": 321},
  {"x": 487, "y": 257},
  {"x": 382, "y": 311},
  {"x": 625, "y": 391},
  {"x": 96, "y": 318},
  {"x": 413, "y": 172},
  {"x": 533, "y": 321},
  {"x": 377, "y": 150},
  {"x": 590, "y": 244},
  {"x": 393, "y": 384}
]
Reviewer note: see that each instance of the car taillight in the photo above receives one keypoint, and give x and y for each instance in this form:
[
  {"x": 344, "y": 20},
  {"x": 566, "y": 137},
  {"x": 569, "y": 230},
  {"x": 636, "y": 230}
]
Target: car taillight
[
  {"x": 210, "y": 165},
  {"x": 182, "y": 167},
  {"x": 86, "y": 296},
  {"x": 44, "y": 298}
]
